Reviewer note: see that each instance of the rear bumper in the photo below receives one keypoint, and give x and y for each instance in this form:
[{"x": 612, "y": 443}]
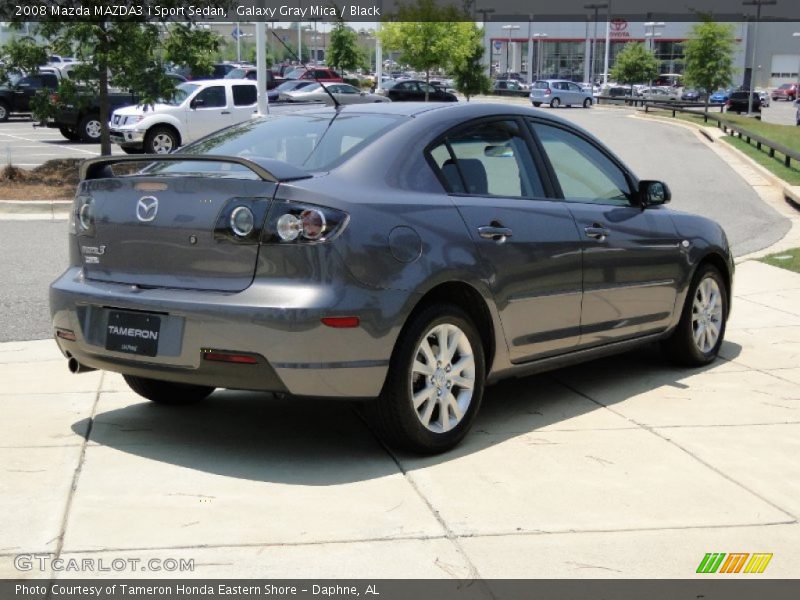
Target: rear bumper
[{"x": 278, "y": 323}]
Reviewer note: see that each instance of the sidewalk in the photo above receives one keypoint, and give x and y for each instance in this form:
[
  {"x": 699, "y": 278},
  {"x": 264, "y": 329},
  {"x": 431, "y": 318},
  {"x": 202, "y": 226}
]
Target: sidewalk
[{"x": 621, "y": 468}]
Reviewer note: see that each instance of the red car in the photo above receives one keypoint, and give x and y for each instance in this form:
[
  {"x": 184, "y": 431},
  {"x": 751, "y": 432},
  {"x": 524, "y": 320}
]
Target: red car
[
  {"x": 788, "y": 91},
  {"x": 316, "y": 74}
]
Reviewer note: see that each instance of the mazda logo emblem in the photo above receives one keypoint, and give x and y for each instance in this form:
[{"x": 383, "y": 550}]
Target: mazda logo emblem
[
  {"x": 147, "y": 208},
  {"x": 619, "y": 24}
]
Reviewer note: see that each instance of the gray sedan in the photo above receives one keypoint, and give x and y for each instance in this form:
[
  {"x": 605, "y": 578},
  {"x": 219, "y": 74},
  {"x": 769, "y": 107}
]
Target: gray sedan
[
  {"x": 403, "y": 254},
  {"x": 343, "y": 92}
]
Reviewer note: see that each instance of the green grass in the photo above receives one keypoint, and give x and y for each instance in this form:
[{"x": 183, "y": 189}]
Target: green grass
[
  {"x": 786, "y": 260},
  {"x": 775, "y": 165}
]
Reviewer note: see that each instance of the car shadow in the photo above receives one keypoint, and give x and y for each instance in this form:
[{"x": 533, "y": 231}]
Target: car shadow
[{"x": 317, "y": 442}]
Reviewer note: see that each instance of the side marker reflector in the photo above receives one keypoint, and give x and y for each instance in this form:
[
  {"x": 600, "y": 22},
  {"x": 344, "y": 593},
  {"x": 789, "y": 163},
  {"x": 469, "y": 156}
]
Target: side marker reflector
[{"x": 341, "y": 322}]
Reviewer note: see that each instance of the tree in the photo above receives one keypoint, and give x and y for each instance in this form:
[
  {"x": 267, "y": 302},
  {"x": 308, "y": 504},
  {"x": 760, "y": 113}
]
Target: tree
[
  {"x": 21, "y": 54},
  {"x": 429, "y": 36},
  {"x": 193, "y": 48},
  {"x": 343, "y": 50},
  {"x": 470, "y": 78},
  {"x": 708, "y": 57},
  {"x": 634, "y": 64}
]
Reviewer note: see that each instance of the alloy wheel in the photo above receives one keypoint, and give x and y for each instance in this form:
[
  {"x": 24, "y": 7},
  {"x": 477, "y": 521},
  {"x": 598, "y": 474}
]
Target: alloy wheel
[
  {"x": 93, "y": 129},
  {"x": 162, "y": 143},
  {"x": 707, "y": 315}
]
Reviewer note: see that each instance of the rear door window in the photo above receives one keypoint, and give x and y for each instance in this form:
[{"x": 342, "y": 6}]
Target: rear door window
[{"x": 244, "y": 95}]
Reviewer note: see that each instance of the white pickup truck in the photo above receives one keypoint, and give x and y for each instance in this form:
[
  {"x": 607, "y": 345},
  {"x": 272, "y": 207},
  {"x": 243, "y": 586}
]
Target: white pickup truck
[{"x": 198, "y": 108}]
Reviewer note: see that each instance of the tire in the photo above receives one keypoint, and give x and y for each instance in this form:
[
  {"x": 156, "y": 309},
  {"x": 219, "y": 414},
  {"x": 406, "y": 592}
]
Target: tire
[
  {"x": 160, "y": 140},
  {"x": 5, "y": 112},
  {"x": 396, "y": 420},
  {"x": 587, "y": 103},
  {"x": 555, "y": 103},
  {"x": 683, "y": 346},
  {"x": 70, "y": 134},
  {"x": 128, "y": 150},
  {"x": 89, "y": 129},
  {"x": 537, "y": 104},
  {"x": 164, "y": 392}
]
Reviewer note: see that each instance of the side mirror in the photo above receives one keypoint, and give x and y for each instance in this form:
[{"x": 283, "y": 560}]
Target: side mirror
[
  {"x": 653, "y": 193},
  {"x": 197, "y": 102}
]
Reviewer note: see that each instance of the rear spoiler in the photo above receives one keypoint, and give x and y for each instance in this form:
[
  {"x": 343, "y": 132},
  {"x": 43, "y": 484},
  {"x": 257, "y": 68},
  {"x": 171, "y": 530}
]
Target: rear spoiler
[{"x": 268, "y": 169}]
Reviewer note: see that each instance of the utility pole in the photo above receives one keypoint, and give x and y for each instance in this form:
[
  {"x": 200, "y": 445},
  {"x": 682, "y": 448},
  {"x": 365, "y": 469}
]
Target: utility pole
[{"x": 758, "y": 4}]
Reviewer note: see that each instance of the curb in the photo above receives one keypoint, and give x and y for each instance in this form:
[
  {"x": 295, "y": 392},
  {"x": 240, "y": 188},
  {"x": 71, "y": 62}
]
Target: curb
[{"x": 48, "y": 209}]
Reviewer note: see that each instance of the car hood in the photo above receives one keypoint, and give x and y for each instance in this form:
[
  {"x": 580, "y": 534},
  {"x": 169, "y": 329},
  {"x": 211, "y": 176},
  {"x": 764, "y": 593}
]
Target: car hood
[{"x": 141, "y": 109}]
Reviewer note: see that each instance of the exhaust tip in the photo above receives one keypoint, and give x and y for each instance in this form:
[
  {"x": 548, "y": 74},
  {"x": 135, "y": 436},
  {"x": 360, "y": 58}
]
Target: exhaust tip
[{"x": 75, "y": 367}]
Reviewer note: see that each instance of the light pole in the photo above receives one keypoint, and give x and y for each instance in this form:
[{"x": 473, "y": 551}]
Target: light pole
[
  {"x": 758, "y": 4},
  {"x": 509, "y": 29},
  {"x": 651, "y": 37},
  {"x": 797, "y": 87},
  {"x": 608, "y": 44},
  {"x": 593, "y": 48},
  {"x": 484, "y": 12},
  {"x": 538, "y": 37}
]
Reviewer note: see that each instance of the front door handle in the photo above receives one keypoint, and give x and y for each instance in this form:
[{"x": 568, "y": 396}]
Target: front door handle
[
  {"x": 225, "y": 112},
  {"x": 494, "y": 232},
  {"x": 596, "y": 232}
]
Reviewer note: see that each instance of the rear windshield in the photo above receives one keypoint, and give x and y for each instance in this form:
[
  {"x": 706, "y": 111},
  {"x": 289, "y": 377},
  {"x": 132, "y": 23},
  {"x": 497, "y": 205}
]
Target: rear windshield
[
  {"x": 313, "y": 142},
  {"x": 541, "y": 85}
]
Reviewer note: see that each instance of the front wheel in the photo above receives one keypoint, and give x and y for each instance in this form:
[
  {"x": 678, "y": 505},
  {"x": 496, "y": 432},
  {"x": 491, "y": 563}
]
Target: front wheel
[
  {"x": 537, "y": 104},
  {"x": 697, "y": 338},
  {"x": 4, "y": 112},
  {"x": 435, "y": 383},
  {"x": 160, "y": 140},
  {"x": 587, "y": 103},
  {"x": 165, "y": 392},
  {"x": 555, "y": 103},
  {"x": 89, "y": 129}
]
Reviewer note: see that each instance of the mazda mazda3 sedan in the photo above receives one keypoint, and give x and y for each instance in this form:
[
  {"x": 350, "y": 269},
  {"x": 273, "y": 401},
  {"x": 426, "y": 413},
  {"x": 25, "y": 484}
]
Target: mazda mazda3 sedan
[{"x": 406, "y": 255}]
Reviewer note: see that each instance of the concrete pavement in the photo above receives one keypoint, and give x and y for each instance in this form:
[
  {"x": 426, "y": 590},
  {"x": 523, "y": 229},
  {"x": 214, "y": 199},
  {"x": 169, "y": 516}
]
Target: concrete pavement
[{"x": 624, "y": 467}]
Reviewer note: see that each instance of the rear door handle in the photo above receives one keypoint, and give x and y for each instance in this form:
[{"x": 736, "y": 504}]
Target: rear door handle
[
  {"x": 225, "y": 112},
  {"x": 596, "y": 232},
  {"x": 492, "y": 232}
]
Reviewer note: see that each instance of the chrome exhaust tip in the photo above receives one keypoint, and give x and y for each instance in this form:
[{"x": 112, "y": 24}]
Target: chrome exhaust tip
[{"x": 75, "y": 367}]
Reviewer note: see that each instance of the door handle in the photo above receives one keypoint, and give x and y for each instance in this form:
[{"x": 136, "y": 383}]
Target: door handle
[
  {"x": 225, "y": 112},
  {"x": 494, "y": 232},
  {"x": 596, "y": 232}
]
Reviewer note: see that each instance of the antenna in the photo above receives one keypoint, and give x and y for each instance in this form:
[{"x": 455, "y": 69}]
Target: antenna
[{"x": 302, "y": 64}]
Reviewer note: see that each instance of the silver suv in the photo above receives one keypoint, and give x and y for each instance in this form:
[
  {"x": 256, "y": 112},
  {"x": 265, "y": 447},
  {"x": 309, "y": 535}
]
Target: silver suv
[{"x": 556, "y": 92}]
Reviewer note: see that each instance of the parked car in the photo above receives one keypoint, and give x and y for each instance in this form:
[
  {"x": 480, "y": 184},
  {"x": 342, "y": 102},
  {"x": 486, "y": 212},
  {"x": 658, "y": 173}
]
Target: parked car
[
  {"x": 763, "y": 96},
  {"x": 720, "y": 96},
  {"x": 390, "y": 252},
  {"x": 343, "y": 92},
  {"x": 251, "y": 73},
  {"x": 693, "y": 95},
  {"x": 287, "y": 86},
  {"x": 616, "y": 91},
  {"x": 198, "y": 108},
  {"x": 509, "y": 87},
  {"x": 80, "y": 121},
  {"x": 738, "y": 102},
  {"x": 219, "y": 70},
  {"x": 413, "y": 90},
  {"x": 16, "y": 99},
  {"x": 556, "y": 92},
  {"x": 315, "y": 74},
  {"x": 660, "y": 94},
  {"x": 787, "y": 91}
]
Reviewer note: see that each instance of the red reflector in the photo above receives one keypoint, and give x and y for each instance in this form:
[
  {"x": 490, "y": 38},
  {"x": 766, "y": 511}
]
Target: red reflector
[
  {"x": 66, "y": 334},
  {"x": 242, "y": 359},
  {"x": 341, "y": 322}
]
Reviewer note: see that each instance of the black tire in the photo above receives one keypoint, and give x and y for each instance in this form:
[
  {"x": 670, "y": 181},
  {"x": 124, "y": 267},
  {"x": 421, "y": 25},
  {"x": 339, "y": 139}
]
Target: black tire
[
  {"x": 5, "y": 112},
  {"x": 680, "y": 348},
  {"x": 129, "y": 150},
  {"x": 165, "y": 392},
  {"x": 393, "y": 414},
  {"x": 537, "y": 104},
  {"x": 587, "y": 103},
  {"x": 555, "y": 103},
  {"x": 70, "y": 134},
  {"x": 89, "y": 129},
  {"x": 155, "y": 138}
]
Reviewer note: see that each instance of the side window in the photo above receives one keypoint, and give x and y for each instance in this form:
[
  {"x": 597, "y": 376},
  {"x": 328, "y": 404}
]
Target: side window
[
  {"x": 574, "y": 87},
  {"x": 584, "y": 172},
  {"x": 31, "y": 82},
  {"x": 244, "y": 95},
  {"x": 488, "y": 159},
  {"x": 212, "y": 97}
]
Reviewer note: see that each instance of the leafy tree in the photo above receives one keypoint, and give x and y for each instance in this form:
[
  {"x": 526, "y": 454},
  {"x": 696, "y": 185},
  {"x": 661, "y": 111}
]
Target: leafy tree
[
  {"x": 429, "y": 36},
  {"x": 634, "y": 64},
  {"x": 343, "y": 50},
  {"x": 470, "y": 78},
  {"x": 188, "y": 46},
  {"x": 21, "y": 54},
  {"x": 708, "y": 56}
]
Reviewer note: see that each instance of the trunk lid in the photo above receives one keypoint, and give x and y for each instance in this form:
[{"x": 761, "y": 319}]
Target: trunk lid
[{"x": 174, "y": 232}]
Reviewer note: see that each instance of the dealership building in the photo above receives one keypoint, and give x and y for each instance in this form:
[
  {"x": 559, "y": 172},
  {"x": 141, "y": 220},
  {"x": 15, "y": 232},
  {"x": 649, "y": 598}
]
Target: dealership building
[{"x": 564, "y": 50}]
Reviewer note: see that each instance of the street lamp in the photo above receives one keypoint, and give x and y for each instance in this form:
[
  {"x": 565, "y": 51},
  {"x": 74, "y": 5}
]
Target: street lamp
[
  {"x": 509, "y": 29},
  {"x": 593, "y": 47},
  {"x": 484, "y": 12},
  {"x": 758, "y": 4},
  {"x": 651, "y": 36},
  {"x": 538, "y": 37}
]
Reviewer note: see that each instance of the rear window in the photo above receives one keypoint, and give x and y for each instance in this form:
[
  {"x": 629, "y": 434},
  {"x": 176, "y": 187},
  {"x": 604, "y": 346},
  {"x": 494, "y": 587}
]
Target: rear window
[
  {"x": 541, "y": 85},
  {"x": 314, "y": 142}
]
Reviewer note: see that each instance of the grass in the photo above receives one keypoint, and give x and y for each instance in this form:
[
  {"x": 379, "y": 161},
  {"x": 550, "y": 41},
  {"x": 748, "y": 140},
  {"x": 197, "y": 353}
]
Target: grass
[
  {"x": 785, "y": 135},
  {"x": 786, "y": 260}
]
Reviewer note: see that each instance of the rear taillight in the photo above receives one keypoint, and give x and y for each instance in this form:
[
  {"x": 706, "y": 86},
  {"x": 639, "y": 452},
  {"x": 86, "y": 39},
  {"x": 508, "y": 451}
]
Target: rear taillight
[
  {"x": 547, "y": 92},
  {"x": 81, "y": 218},
  {"x": 54, "y": 98},
  {"x": 290, "y": 222}
]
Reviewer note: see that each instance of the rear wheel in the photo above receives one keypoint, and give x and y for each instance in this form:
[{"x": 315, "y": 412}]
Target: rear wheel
[
  {"x": 697, "y": 338},
  {"x": 129, "y": 150},
  {"x": 587, "y": 103},
  {"x": 537, "y": 104},
  {"x": 70, "y": 134},
  {"x": 89, "y": 129},
  {"x": 435, "y": 383},
  {"x": 164, "y": 392},
  {"x": 555, "y": 103},
  {"x": 160, "y": 140}
]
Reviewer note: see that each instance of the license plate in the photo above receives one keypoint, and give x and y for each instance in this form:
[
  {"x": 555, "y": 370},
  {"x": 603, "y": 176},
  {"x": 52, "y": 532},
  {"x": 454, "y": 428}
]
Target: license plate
[{"x": 135, "y": 333}]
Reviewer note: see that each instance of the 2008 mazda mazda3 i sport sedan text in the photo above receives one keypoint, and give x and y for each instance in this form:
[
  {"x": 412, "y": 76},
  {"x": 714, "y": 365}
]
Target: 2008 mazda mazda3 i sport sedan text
[{"x": 404, "y": 254}]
